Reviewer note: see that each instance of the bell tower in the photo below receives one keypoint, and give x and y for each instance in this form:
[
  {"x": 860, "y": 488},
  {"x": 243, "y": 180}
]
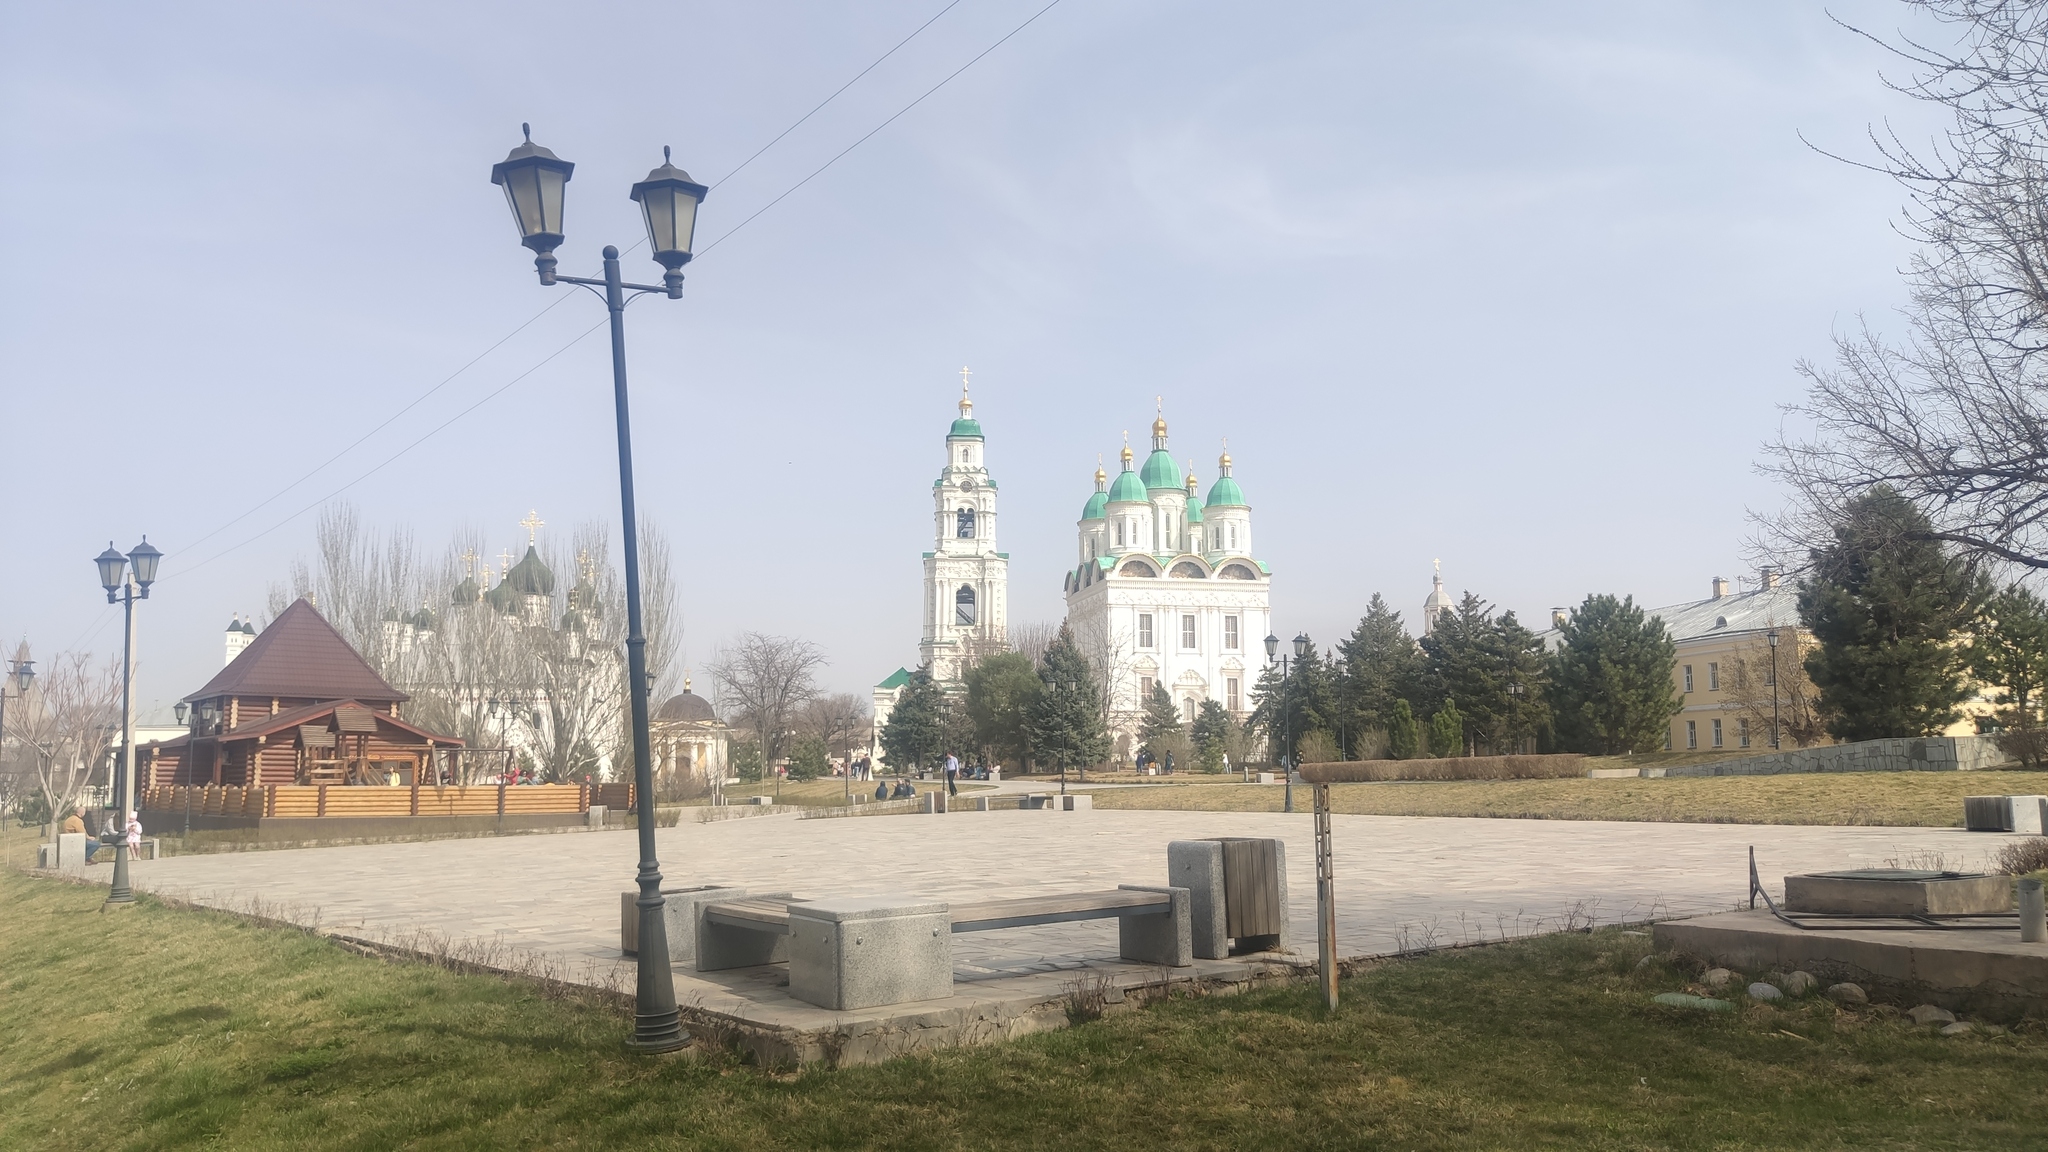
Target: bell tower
[{"x": 966, "y": 581}]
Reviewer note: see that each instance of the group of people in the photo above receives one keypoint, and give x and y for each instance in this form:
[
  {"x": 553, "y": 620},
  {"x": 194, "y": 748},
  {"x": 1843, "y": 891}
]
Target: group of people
[{"x": 108, "y": 834}]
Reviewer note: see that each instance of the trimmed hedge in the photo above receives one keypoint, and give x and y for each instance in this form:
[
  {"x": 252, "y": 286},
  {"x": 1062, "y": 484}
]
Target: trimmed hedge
[{"x": 1448, "y": 768}]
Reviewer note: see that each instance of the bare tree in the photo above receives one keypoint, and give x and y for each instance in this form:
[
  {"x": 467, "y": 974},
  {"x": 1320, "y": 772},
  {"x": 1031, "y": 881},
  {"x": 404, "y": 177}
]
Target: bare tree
[
  {"x": 661, "y": 615},
  {"x": 69, "y": 721},
  {"x": 762, "y": 683},
  {"x": 839, "y": 721},
  {"x": 1033, "y": 639},
  {"x": 1761, "y": 693},
  {"x": 1953, "y": 418},
  {"x": 1110, "y": 651}
]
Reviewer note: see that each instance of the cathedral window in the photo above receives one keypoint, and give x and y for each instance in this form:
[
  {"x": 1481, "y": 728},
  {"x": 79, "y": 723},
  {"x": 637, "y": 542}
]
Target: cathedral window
[
  {"x": 963, "y": 605},
  {"x": 1187, "y": 632},
  {"x": 1232, "y": 530},
  {"x": 1144, "y": 629},
  {"x": 1230, "y": 633},
  {"x": 1237, "y": 572},
  {"x": 1144, "y": 688},
  {"x": 1119, "y": 533},
  {"x": 965, "y": 528},
  {"x": 1230, "y": 693}
]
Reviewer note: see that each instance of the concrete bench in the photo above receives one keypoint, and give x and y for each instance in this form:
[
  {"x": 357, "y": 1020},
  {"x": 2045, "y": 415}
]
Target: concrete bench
[
  {"x": 867, "y": 952},
  {"x": 2005, "y": 813},
  {"x": 68, "y": 853}
]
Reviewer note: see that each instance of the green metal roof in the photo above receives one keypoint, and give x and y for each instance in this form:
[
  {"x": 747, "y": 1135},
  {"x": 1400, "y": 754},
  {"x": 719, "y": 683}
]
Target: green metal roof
[
  {"x": 1128, "y": 487},
  {"x": 897, "y": 679},
  {"x": 1194, "y": 512},
  {"x": 965, "y": 427},
  {"x": 1098, "y": 505},
  {"x": 1225, "y": 493},
  {"x": 1160, "y": 470}
]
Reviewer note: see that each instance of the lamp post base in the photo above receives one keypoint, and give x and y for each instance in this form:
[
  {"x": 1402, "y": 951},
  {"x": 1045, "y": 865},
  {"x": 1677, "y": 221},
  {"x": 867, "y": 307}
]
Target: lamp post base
[
  {"x": 660, "y": 1032},
  {"x": 120, "y": 892}
]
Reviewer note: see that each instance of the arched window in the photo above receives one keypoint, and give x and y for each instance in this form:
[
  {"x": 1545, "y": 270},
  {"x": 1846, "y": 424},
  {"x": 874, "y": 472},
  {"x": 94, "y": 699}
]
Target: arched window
[
  {"x": 1233, "y": 535},
  {"x": 1119, "y": 533},
  {"x": 1136, "y": 568},
  {"x": 963, "y": 605},
  {"x": 1237, "y": 572},
  {"x": 965, "y": 530},
  {"x": 1188, "y": 570}
]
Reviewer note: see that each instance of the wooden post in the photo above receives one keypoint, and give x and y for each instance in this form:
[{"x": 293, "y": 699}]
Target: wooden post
[
  {"x": 1326, "y": 899},
  {"x": 415, "y": 792},
  {"x": 323, "y": 801},
  {"x": 270, "y": 801},
  {"x": 501, "y": 797}
]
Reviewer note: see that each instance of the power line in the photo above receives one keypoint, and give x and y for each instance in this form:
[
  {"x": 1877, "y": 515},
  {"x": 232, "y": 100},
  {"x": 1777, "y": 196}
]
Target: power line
[{"x": 877, "y": 128}]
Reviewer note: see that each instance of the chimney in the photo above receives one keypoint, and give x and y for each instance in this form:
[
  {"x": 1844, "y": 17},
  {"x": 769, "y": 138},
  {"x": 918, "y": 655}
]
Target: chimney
[
  {"x": 1767, "y": 576},
  {"x": 1720, "y": 587},
  {"x": 1557, "y": 617}
]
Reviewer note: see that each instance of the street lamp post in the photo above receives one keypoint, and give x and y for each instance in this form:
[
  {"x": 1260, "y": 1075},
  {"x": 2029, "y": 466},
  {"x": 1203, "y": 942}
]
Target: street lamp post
[
  {"x": 22, "y": 673},
  {"x": 126, "y": 579},
  {"x": 1286, "y": 714},
  {"x": 1772, "y": 635},
  {"x": 179, "y": 709},
  {"x": 534, "y": 181}
]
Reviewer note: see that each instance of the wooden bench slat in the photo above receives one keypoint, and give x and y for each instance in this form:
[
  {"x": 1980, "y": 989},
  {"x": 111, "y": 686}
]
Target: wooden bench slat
[
  {"x": 761, "y": 915},
  {"x": 1056, "y": 908}
]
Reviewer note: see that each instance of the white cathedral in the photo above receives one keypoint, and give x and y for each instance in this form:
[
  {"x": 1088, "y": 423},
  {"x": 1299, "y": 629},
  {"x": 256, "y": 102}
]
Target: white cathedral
[{"x": 1165, "y": 590}]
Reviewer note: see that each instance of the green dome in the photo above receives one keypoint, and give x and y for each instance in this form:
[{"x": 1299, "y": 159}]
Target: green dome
[
  {"x": 966, "y": 426},
  {"x": 1127, "y": 486},
  {"x": 1194, "y": 512},
  {"x": 1098, "y": 506},
  {"x": 1225, "y": 493},
  {"x": 530, "y": 577},
  {"x": 1160, "y": 470}
]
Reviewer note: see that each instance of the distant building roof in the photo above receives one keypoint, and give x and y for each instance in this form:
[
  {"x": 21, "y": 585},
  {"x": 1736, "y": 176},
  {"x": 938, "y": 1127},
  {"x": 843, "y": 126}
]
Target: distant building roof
[
  {"x": 686, "y": 706},
  {"x": 897, "y": 679},
  {"x": 1735, "y": 613},
  {"x": 300, "y": 654}
]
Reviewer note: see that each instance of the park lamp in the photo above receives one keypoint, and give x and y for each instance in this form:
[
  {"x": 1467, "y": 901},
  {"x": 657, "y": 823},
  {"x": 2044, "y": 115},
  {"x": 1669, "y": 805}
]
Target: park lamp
[
  {"x": 145, "y": 559},
  {"x": 112, "y": 564},
  {"x": 179, "y": 709},
  {"x": 24, "y": 675},
  {"x": 1272, "y": 647},
  {"x": 533, "y": 179},
  {"x": 668, "y": 201},
  {"x": 1772, "y": 636},
  {"x": 1301, "y": 646}
]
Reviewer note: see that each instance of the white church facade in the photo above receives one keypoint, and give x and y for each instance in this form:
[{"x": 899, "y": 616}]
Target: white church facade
[{"x": 1168, "y": 591}]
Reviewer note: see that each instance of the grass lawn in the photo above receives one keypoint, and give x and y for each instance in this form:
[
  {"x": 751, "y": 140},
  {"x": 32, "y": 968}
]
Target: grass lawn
[
  {"x": 164, "y": 1028},
  {"x": 812, "y": 793},
  {"x": 1923, "y": 799}
]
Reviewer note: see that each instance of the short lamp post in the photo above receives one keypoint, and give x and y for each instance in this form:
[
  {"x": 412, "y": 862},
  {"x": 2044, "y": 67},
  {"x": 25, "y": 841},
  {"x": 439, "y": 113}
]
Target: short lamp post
[
  {"x": 1772, "y": 636},
  {"x": 20, "y": 673},
  {"x": 179, "y": 709},
  {"x": 126, "y": 579},
  {"x": 1286, "y": 711},
  {"x": 534, "y": 180}
]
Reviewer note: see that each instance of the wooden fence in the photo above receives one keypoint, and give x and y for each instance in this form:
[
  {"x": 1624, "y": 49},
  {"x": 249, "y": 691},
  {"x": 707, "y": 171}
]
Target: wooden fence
[{"x": 301, "y": 801}]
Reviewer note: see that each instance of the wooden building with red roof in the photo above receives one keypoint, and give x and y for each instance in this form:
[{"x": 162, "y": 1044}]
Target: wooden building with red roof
[{"x": 298, "y": 706}]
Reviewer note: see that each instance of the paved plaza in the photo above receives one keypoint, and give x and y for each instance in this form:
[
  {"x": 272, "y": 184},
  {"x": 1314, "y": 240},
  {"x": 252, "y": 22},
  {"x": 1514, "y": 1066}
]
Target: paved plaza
[{"x": 1402, "y": 882}]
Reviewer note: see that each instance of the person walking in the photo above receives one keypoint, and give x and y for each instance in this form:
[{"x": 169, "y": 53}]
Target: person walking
[{"x": 952, "y": 774}]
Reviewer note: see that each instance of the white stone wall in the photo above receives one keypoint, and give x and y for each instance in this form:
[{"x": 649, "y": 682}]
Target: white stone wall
[
  {"x": 970, "y": 562},
  {"x": 1107, "y": 616}
]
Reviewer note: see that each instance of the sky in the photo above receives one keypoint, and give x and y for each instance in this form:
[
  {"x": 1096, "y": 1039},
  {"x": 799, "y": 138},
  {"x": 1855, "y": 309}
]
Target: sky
[{"x": 1516, "y": 287}]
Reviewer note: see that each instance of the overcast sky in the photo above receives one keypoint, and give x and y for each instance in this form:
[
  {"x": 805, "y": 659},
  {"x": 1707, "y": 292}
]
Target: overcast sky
[{"x": 1516, "y": 286}]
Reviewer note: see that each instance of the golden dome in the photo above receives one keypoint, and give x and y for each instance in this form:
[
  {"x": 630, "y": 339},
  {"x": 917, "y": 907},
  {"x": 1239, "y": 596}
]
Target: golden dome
[
  {"x": 1159, "y": 426},
  {"x": 1223, "y": 462},
  {"x": 1101, "y": 477},
  {"x": 1191, "y": 475},
  {"x": 1127, "y": 455}
]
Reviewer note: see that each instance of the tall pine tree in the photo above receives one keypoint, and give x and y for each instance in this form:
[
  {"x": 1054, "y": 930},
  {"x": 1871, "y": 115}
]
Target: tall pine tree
[
  {"x": 1612, "y": 679},
  {"x": 1887, "y": 603},
  {"x": 1000, "y": 693},
  {"x": 1403, "y": 738},
  {"x": 1065, "y": 722},
  {"x": 1377, "y": 665},
  {"x": 1493, "y": 670},
  {"x": 1211, "y": 732},
  {"x": 2010, "y": 651},
  {"x": 1161, "y": 722},
  {"x": 914, "y": 736}
]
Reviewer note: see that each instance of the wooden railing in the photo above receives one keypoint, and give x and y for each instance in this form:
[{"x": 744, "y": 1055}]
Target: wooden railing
[{"x": 300, "y": 801}]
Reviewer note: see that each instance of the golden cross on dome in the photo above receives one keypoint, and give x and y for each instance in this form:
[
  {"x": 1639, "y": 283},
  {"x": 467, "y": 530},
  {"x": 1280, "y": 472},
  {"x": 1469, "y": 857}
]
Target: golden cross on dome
[
  {"x": 469, "y": 561},
  {"x": 533, "y": 523},
  {"x": 584, "y": 565},
  {"x": 1439, "y": 566},
  {"x": 965, "y": 372},
  {"x": 504, "y": 560}
]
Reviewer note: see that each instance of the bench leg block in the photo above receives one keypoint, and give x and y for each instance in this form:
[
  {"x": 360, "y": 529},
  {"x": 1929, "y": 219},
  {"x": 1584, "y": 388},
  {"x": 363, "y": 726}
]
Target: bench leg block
[
  {"x": 722, "y": 946},
  {"x": 1157, "y": 938},
  {"x": 843, "y": 957},
  {"x": 1197, "y": 865}
]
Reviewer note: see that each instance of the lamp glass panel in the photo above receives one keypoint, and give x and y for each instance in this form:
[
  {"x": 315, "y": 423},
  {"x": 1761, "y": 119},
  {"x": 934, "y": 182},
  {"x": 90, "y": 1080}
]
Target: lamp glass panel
[
  {"x": 686, "y": 219},
  {"x": 549, "y": 186},
  {"x": 522, "y": 192},
  {"x": 111, "y": 565},
  {"x": 658, "y": 209},
  {"x": 145, "y": 560}
]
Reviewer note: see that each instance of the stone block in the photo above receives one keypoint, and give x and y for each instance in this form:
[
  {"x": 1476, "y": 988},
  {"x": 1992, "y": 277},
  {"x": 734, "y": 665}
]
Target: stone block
[
  {"x": 594, "y": 816},
  {"x": 1160, "y": 937},
  {"x": 680, "y": 909},
  {"x": 935, "y": 801},
  {"x": 1077, "y": 803},
  {"x": 764, "y": 801},
  {"x": 71, "y": 851},
  {"x": 1897, "y": 892},
  {"x": 981, "y": 803},
  {"x": 1036, "y": 800},
  {"x": 2028, "y": 813},
  {"x": 722, "y": 946},
  {"x": 2005, "y": 813},
  {"x": 1197, "y": 865},
  {"x": 867, "y": 952},
  {"x": 1266, "y": 777}
]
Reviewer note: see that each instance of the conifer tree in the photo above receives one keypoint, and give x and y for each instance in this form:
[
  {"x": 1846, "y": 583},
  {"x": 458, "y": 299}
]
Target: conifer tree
[
  {"x": 1447, "y": 731},
  {"x": 1403, "y": 739},
  {"x": 1612, "y": 678},
  {"x": 1000, "y": 693},
  {"x": 1377, "y": 664},
  {"x": 1065, "y": 722},
  {"x": 1887, "y": 602},
  {"x": 1212, "y": 732},
  {"x": 2010, "y": 651},
  {"x": 1494, "y": 668},
  {"x": 914, "y": 737},
  {"x": 1161, "y": 722}
]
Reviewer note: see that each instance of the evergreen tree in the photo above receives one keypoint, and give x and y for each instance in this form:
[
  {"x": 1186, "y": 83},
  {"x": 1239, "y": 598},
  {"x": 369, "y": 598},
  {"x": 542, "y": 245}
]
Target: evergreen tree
[
  {"x": 745, "y": 761},
  {"x": 1001, "y": 691},
  {"x": 1493, "y": 669},
  {"x": 914, "y": 736},
  {"x": 1212, "y": 732},
  {"x": 1161, "y": 722},
  {"x": 808, "y": 758},
  {"x": 1065, "y": 723},
  {"x": 1612, "y": 679},
  {"x": 1447, "y": 731},
  {"x": 1887, "y": 602},
  {"x": 2010, "y": 651},
  {"x": 1286, "y": 709},
  {"x": 1377, "y": 664},
  {"x": 1403, "y": 740}
]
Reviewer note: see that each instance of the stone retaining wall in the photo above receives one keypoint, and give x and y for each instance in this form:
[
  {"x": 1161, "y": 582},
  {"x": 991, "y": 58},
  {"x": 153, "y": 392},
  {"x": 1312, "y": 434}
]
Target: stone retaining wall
[{"x": 1921, "y": 754}]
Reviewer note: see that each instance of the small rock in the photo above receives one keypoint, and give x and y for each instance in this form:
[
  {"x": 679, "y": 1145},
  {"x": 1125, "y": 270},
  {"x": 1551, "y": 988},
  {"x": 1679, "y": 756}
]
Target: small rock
[
  {"x": 1645, "y": 962},
  {"x": 1929, "y": 1014},
  {"x": 1848, "y": 994},
  {"x": 1701, "y": 1003},
  {"x": 1799, "y": 984},
  {"x": 1958, "y": 1029},
  {"x": 1763, "y": 991},
  {"x": 1717, "y": 978}
]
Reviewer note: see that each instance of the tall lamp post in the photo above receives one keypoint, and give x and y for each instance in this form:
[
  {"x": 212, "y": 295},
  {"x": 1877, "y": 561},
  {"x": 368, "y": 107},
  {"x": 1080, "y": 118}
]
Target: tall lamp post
[
  {"x": 534, "y": 180},
  {"x": 126, "y": 579},
  {"x": 1286, "y": 713},
  {"x": 1772, "y": 636}
]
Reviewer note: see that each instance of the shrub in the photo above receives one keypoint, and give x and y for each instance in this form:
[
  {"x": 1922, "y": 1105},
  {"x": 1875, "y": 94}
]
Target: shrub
[
  {"x": 1453, "y": 768},
  {"x": 2023, "y": 856}
]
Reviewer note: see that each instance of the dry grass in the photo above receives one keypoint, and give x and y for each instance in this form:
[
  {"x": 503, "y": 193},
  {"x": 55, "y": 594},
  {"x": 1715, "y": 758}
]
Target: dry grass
[
  {"x": 159, "y": 1028},
  {"x": 1452, "y": 768},
  {"x": 1909, "y": 799}
]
